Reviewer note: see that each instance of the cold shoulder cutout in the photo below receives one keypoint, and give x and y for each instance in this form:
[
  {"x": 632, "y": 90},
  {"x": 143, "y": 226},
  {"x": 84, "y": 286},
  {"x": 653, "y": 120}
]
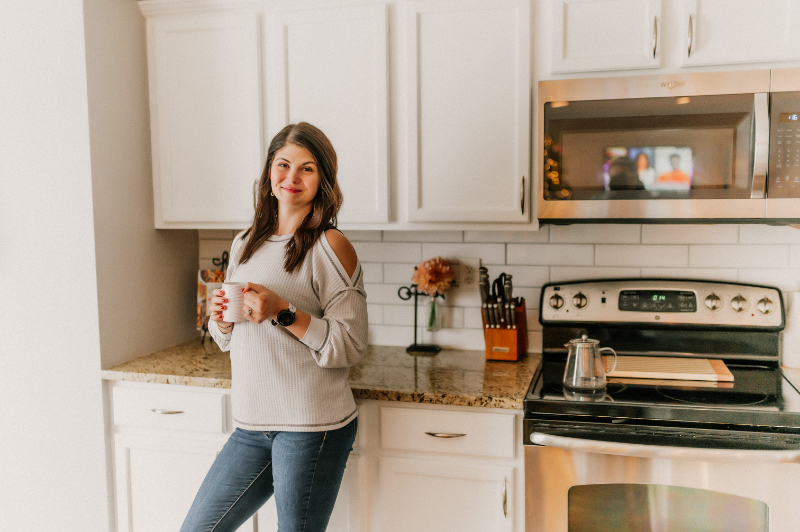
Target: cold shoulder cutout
[{"x": 343, "y": 249}]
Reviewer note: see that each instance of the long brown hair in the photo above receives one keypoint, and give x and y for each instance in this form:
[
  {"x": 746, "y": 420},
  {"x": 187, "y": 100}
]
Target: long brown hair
[{"x": 324, "y": 206}]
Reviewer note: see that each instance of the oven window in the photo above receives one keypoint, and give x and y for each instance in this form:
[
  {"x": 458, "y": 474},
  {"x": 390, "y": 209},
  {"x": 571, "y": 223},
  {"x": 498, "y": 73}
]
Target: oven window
[
  {"x": 660, "y": 508},
  {"x": 649, "y": 148}
]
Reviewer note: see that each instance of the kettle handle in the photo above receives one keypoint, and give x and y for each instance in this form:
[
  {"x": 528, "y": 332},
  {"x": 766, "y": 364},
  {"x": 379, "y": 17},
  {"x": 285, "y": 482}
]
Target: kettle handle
[{"x": 615, "y": 358}]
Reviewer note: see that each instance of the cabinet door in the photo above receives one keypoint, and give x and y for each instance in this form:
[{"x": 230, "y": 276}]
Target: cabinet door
[
  {"x": 605, "y": 34},
  {"x": 440, "y": 496},
  {"x": 205, "y": 118},
  {"x": 328, "y": 67},
  {"x": 739, "y": 31},
  {"x": 348, "y": 513},
  {"x": 468, "y": 118},
  {"x": 157, "y": 478}
]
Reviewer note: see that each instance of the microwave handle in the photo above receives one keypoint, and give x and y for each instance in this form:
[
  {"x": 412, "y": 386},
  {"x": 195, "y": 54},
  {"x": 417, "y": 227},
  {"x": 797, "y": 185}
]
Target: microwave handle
[
  {"x": 639, "y": 450},
  {"x": 760, "y": 145}
]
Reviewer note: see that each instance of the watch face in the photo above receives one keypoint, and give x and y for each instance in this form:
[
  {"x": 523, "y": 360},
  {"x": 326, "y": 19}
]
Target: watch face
[{"x": 285, "y": 318}]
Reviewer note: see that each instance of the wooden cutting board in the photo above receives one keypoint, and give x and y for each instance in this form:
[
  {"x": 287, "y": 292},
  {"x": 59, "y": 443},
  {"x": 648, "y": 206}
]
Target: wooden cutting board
[{"x": 687, "y": 369}]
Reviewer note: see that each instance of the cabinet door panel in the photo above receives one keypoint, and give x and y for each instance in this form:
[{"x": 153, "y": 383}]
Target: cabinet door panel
[
  {"x": 438, "y": 496},
  {"x": 739, "y": 31},
  {"x": 605, "y": 34},
  {"x": 329, "y": 68},
  {"x": 468, "y": 90},
  {"x": 205, "y": 118}
]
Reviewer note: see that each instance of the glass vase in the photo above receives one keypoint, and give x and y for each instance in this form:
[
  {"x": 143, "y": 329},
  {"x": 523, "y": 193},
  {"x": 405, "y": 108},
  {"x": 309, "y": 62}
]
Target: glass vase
[{"x": 434, "y": 322}]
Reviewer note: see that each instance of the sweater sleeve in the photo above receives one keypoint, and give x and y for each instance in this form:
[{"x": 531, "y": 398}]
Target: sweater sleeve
[
  {"x": 223, "y": 340},
  {"x": 339, "y": 338}
]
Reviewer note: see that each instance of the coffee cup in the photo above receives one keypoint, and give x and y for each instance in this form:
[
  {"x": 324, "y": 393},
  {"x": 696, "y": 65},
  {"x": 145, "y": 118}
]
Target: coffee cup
[{"x": 234, "y": 311}]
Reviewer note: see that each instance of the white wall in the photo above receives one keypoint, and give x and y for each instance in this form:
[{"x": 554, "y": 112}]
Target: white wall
[
  {"x": 77, "y": 239},
  {"x": 51, "y": 442}
]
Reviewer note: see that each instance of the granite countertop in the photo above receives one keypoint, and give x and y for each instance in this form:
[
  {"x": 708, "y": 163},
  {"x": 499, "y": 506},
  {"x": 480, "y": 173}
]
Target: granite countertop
[{"x": 452, "y": 377}]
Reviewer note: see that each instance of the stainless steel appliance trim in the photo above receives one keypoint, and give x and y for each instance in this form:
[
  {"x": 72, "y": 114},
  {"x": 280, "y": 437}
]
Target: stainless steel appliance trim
[
  {"x": 661, "y": 452},
  {"x": 644, "y": 209},
  {"x": 785, "y": 80},
  {"x": 760, "y": 145},
  {"x": 783, "y": 208}
]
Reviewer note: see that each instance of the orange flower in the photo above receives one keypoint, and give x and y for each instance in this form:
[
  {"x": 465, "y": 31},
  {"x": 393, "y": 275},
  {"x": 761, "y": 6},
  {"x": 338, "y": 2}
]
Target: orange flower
[{"x": 433, "y": 276}]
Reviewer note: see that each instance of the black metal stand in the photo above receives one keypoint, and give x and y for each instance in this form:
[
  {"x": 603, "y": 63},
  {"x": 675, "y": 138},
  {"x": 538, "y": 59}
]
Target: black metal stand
[{"x": 405, "y": 293}]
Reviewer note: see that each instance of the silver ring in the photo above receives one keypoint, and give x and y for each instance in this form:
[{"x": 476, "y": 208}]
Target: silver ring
[{"x": 249, "y": 311}]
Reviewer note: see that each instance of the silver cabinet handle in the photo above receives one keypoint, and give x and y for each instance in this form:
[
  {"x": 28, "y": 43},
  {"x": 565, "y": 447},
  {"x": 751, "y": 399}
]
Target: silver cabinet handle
[
  {"x": 691, "y": 36},
  {"x": 522, "y": 202},
  {"x": 505, "y": 499},
  {"x": 444, "y": 435},
  {"x": 255, "y": 194},
  {"x": 159, "y": 411},
  {"x": 760, "y": 144},
  {"x": 655, "y": 36}
]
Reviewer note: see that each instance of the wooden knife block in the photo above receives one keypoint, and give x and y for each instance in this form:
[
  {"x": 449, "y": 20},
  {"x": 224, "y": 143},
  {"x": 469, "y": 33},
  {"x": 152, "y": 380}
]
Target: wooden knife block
[{"x": 507, "y": 344}]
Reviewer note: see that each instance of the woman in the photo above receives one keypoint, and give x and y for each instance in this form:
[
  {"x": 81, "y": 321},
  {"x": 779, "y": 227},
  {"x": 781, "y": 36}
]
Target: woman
[{"x": 306, "y": 313}]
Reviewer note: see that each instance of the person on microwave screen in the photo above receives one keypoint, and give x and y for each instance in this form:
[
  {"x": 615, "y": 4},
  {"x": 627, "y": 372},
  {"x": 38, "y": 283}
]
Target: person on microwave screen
[{"x": 676, "y": 175}]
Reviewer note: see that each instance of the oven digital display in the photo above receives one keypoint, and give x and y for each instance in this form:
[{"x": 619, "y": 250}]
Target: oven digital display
[
  {"x": 657, "y": 301},
  {"x": 792, "y": 118}
]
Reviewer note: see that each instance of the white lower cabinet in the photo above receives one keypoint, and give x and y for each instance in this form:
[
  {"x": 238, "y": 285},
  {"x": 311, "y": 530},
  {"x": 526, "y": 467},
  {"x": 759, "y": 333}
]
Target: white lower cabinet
[{"x": 413, "y": 466}]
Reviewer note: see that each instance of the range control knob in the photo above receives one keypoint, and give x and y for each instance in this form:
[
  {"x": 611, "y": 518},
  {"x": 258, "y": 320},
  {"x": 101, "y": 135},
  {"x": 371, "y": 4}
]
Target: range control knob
[
  {"x": 713, "y": 301},
  {"x": 739, "y": 303},
  {"x": 556, "y": 301},
  {"x": 765, "y": 305},
  {"x": 579, "y": 300}
]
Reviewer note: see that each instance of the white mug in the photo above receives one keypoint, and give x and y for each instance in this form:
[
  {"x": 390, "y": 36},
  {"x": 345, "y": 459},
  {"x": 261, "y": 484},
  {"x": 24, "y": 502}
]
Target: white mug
[{"x": 234, "y": 311}]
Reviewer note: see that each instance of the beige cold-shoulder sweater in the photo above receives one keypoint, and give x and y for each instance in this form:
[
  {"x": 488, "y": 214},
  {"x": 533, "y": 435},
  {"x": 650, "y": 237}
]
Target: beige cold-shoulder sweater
[{"x": 280, "y": 382}]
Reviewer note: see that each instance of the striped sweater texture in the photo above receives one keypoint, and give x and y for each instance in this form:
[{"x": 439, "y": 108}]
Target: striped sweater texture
[{"x": 280, "y": 382}]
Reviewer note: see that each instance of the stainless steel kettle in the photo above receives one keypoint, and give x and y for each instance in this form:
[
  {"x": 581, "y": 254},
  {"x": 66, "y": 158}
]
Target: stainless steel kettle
[{"x": 585, "y": 369}]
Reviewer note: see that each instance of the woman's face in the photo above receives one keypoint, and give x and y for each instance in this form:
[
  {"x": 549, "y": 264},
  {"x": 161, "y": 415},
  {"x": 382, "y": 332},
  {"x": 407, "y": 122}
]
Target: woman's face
[
  {"x": 641, "y": 162},
  {"x": 294, "y": 176}
]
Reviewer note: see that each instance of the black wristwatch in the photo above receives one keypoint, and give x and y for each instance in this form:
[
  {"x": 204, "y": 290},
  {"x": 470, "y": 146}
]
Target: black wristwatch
[{"x": 285, "y": 317}]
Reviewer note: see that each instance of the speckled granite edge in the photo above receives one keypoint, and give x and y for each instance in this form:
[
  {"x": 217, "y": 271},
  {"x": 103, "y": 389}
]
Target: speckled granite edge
[
  {"x": 206, "y": 382},
  {"x": 438, "y": 399}
]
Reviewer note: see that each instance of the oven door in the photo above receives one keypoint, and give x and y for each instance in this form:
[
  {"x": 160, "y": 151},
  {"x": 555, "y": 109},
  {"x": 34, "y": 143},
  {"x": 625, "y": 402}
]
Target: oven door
[
  {"x": 677, "y": 147},
  {"x": 576, "y": 485}
]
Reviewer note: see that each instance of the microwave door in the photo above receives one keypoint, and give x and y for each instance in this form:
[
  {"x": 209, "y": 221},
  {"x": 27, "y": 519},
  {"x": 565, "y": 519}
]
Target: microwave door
[{"x": 783, "y": 186}]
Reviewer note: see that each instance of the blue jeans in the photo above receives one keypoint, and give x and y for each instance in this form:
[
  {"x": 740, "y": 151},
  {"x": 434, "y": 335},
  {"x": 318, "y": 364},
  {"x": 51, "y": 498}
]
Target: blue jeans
[{"x": 305, "y": 469}]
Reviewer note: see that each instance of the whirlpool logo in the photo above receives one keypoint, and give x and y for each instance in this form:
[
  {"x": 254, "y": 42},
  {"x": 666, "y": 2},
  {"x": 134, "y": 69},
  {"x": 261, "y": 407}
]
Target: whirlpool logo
[{"x": 673, "y": 84}]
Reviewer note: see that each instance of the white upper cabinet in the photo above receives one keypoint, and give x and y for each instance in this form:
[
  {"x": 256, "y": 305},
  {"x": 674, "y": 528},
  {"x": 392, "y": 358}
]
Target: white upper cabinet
[
  {"x": 739, "y": 31},
  {"x": 605, "y": 34},
  {"x": 329, "y": 66},
  {"x": 467, "y": 89},
  {"x": 205, "y": 113}
]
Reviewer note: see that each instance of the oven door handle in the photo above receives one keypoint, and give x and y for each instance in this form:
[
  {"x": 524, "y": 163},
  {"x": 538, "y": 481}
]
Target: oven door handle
[{"x": 668, "y": 453}]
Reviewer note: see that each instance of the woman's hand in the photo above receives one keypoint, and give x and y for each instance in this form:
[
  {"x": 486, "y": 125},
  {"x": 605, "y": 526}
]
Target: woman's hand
[
  {"x": 218, "y": 304},
  {"x": 264, "y": 303}
]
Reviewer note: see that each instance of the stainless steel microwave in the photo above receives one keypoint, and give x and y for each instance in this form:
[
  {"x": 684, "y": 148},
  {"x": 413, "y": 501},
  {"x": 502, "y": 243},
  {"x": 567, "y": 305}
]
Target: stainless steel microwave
[{"x": 703, "y": 147}]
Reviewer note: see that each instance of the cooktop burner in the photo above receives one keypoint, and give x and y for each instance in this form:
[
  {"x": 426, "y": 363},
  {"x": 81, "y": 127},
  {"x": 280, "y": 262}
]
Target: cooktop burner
[{"x": 706, "y": 399}]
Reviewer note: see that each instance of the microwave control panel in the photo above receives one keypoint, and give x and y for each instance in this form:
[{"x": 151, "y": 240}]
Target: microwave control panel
[
  {"x": 662, "y": 301},
  {"x": 784, "y": 148}
]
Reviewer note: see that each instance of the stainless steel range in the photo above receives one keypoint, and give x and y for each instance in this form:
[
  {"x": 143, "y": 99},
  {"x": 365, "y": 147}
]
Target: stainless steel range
[{"x": 697, "y": 429}]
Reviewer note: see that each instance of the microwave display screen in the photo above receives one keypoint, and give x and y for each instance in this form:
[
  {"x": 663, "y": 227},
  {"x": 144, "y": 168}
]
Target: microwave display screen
[
  {"x": 789, "y": 117},
  {"x": 657, "y": 301},
  {"x": 648, "y": 168}
]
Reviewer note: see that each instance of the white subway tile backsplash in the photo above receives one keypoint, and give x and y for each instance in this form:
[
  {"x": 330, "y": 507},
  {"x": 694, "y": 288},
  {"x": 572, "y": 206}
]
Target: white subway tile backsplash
[
  {"x": 385, "y": 294},
  {"x": 388, "y": 252},
  {"x": 472, "y": 318},
  {"x": 690, "y": 234},
  {"x": 794, "y": 256},
  {"x": 596, "y": 234},
  {"x": 489, "y": 253},
  {"x": 642, "y": 255},
  {"x": 399, "y": 273},
  {"x": 768, "y": 234},
  {"x": 401, "y": 315},
  {"x": 521, "y": 275},
  {"x": 524, "y": 237},
  {"x": 548, "y": 254},
  {"x": 363, "y": 236},
  {"x": 210, "y": 249},
  {"x": 470, "y": 339},
  {"x": 787, "y": 280},
  {"x": 560, "y": 274},
  {"x": 712, "y": 274},
  {"x": 423, "y": 236},
  {"x": 739, "y": 256},
  {"x": 531, "y": 296},
  {"x": 452, "y": 317},
  {"x": 375, "y": 314},
  {"x": 373, "y": 272},
  {"x": 391, "y": 335}
]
